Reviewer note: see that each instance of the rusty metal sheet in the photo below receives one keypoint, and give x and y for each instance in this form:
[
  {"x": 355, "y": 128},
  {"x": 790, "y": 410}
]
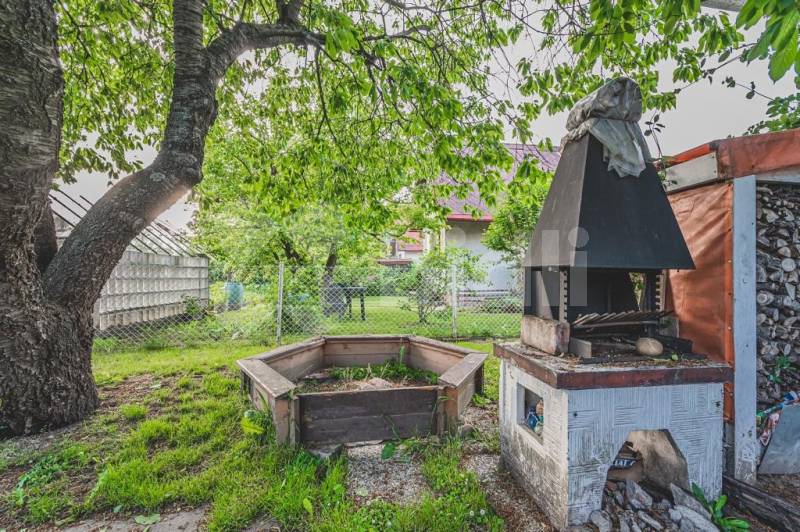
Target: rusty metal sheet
[{"x": 703, "y": 298}]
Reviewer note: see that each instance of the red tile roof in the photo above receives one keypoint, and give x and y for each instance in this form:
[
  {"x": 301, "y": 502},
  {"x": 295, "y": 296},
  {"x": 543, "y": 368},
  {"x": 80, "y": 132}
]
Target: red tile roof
[{"x": 459, "y": 209}]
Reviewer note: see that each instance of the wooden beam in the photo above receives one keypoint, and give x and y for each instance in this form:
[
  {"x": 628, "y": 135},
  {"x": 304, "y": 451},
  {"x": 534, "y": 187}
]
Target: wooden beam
[
  {"x": 550, "y": 336},
  {"x": 774, "y": 511}
]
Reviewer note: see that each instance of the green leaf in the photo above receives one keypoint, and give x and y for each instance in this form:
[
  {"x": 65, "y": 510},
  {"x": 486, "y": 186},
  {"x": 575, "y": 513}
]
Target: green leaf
[
  {"x": 147, "y": 520},
  {"x": 388, "y": 450},
  {"x": 308, "y": 507},
  {"x": 784, "y": 58}
]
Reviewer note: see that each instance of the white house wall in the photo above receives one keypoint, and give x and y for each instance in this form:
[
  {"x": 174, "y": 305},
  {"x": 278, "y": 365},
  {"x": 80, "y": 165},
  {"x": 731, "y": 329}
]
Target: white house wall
[{"x": 468, "y": 235}]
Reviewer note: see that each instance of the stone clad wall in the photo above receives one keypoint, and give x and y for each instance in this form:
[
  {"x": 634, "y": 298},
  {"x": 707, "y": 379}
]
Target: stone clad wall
[
  {"x": 566, "y": 470},
  {"x": 777, "y": 278},
  {"x": 146, "y": 287}
]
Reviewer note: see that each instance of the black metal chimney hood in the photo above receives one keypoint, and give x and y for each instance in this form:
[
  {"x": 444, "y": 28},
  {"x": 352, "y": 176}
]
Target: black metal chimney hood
[{"x": 593, "y": 218}]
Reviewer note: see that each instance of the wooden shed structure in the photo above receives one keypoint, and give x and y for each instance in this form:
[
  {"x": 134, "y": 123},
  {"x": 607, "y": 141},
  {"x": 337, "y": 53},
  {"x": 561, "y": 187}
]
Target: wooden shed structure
[{"x": 715, "y": 191}]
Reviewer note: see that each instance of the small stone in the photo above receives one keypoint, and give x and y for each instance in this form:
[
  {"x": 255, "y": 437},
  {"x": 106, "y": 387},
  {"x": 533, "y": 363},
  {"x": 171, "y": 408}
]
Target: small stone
[
  {"x": 326, "y": 452},
  {"x": 692, "y": 521},
  {"x": 601, "y": 520},
  {"x": 466, "y": 430},
  {"x": 788, "y": 265},
  {"x": 638, "y": 498},
  {"x": 662, "y": 506},
  {"x": 650, "y": 521},
  {"x": 674, "y": 516},
  {"x": 680, "y": 497},
  {"x": 623, "y": 524},
  {"x": 649, "y": 347},
  {"x": 619, "y": 498}
]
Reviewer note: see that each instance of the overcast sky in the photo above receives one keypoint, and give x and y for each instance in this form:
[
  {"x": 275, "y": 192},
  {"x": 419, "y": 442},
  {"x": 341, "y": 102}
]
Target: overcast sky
[{"x": 704, "y": 112}]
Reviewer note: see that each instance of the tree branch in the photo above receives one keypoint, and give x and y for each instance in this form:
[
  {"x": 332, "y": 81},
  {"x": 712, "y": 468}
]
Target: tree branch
[{"x": 243, "y": 37}]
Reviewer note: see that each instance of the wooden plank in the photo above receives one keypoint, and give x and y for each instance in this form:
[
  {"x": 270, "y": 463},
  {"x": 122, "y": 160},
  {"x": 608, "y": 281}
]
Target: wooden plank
[
  {"x": 368, "y": 414},
  {"x": 347, "y": 404},
  {"x": 774, "y": 511},
  {"x": 299, "y": 363},
  {"x": 432, "y": 357},
  {"x": 358, "y": 359},
  {"x": 291, "y": 349},
  {"x": 443, "y": 346},
  {"x": 465, "y": 392},
  {"x": 265, "y": 377},
  {"x": 363, "y": 345},
  {"x": 550, "y": 336},
  {"x": 464, "y": 370},
  {"x": 368, "y": 428}
]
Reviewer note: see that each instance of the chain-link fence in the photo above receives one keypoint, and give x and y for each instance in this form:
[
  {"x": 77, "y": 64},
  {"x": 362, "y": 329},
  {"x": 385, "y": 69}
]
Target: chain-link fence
[{"x": 286, "y": 304}]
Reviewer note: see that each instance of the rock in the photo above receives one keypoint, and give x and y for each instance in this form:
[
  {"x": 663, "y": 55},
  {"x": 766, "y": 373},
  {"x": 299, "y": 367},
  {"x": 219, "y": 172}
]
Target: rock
[
  {"x": 623, "y": 524},
  {"x": 679, "y": 496},
  {"x": 326, "y": 452},
  {"x": 466, "y": 430},
  {"x": 788, "y": 265},
  {"x": 649, "y": 347},
  {"x": 662, "y": 506},
  {"x": 600, "y": 519},
  {"x": 375, "y": 383},
  {"x": 674, "y": 515},
  {"x": 650, "y": 521},
  {"x": 692, "y": 521},
  {"x": 619, "y": 498},
  {"x": 638, "y": 498}
]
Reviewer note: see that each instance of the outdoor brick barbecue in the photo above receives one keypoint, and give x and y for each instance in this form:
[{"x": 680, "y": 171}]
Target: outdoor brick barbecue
[
  {"x": 600, "y": 362},
  {"x": 362, "y": 415}
]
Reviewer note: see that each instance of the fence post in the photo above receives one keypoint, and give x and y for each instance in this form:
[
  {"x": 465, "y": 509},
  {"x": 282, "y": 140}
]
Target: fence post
[
  {"x": 454, "y": 298},
  {"x": 279, "y": 309}
]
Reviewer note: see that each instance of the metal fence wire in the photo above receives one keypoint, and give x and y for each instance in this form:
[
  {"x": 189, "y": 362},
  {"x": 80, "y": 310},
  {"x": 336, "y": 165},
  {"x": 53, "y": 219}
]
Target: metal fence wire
[{"x": 285, "y": 304}]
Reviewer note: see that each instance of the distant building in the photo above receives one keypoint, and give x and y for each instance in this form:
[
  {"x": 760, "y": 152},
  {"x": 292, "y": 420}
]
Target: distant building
[{"x": 465, "y": 231}]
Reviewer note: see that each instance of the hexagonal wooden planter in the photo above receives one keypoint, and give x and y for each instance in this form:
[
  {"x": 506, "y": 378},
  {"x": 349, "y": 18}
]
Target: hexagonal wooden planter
[{"x": 362, "y": 415}]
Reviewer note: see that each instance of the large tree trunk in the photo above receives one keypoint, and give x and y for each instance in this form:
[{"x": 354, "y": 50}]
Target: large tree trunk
[
  {"x": 46, "y": 301},
  {"x": 44, "y": 348}
]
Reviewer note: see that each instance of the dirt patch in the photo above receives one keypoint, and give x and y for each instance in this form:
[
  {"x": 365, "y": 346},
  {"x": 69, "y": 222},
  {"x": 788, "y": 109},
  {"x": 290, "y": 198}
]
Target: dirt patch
[
  {"x": 186, "y": 521},
  {"x": 370, "y": 477},
  {"x": 338, "y": 380},
  {"x": 508, "y": 500}
]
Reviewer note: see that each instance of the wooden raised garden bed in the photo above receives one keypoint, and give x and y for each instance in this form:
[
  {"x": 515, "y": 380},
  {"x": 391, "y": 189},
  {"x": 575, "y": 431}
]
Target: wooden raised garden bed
[{"x": 272, "y": 381}]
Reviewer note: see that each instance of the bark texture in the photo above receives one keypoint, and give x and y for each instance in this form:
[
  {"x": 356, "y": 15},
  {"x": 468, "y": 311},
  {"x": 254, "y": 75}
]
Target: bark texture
[
  {"x": 47, "y": 297},
  {"x": 44, "y": 348}
]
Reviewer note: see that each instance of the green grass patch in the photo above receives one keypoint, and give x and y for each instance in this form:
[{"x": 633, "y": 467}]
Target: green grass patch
[
  {"x": 115, "y": 367},
  {"x": 133, "y": 412},
  {"x": 184, "y": 444},
  {"x": 491, "y": 370}
]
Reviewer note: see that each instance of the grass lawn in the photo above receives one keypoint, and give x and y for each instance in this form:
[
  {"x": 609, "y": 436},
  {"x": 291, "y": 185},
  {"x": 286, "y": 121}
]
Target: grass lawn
[
  {"x": 255, "y": 324},
  {"x": 169, "y": 435}
]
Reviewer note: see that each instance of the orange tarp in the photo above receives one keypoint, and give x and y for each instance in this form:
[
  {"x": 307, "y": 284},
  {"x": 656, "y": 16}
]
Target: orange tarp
[
  {"x": 702, "y": 298},
  {"x": 753, "y": 154}
]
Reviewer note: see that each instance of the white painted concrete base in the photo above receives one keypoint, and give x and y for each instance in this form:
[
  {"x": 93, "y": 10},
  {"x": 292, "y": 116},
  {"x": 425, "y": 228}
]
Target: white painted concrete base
[{"x": 565, "y": 469}]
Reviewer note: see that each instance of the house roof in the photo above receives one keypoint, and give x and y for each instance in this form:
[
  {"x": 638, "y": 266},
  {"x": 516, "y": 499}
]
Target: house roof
[
  {"x": 460, "y": 208},
  {"x": 413, "y": 242}
]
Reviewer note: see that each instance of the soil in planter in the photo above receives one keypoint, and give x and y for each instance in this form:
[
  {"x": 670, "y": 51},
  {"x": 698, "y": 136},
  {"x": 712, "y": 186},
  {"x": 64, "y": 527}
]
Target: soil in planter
[{"x": 391, "y": 374}]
